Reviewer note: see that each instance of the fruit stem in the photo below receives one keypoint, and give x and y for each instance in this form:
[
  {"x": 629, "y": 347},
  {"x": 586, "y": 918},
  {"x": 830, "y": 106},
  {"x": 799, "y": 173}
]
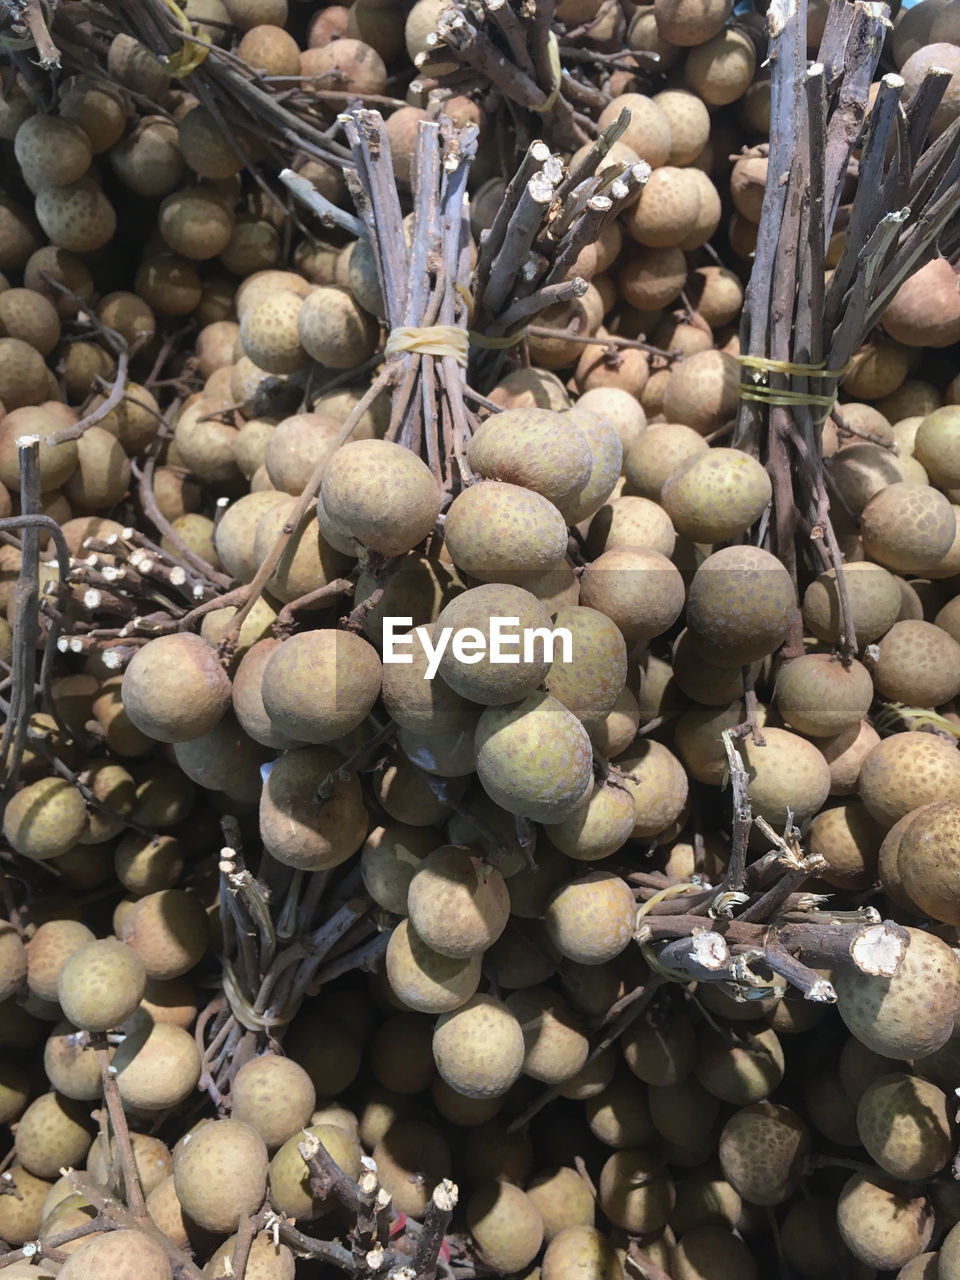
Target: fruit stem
[{"x": 118, "y": 1122}]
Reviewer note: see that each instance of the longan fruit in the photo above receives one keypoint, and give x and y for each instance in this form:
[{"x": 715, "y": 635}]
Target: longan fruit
[
  {"x": 882, "y": 1222},
  {"x": 47, "y": 952},
  {"x": 96, "y": 108},
  {"x": 174, "y": 689},
  {"x": 762, "y": 1149},
  {"x": 100, "y": 985},
  {"x": 220, "y": 1174},
  {"x": 21, "y": 1211},
  {"x": 51, "y": 151},
  {"x": 479, "y": 1048},
  {"x": 205, "y": 148},
  {"x": 411, "y": 1158},
  {"x": 292, "y": 827},
  {"x": 719, "y": 70},
  {"x": 275, "y": 1096},
  {"x": 76, "y": 216},
  {"x": 906, "y": 770},
  {"x": 53, "y": 1132},
  {"x": 271, "y": 50},
  {"x": 44, "y": 819},
  {"x": 506, "y": 1226}
]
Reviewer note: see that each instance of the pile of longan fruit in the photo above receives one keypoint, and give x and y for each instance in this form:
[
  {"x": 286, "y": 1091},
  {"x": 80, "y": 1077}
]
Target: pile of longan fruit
[{"x": 497, "y": 831}]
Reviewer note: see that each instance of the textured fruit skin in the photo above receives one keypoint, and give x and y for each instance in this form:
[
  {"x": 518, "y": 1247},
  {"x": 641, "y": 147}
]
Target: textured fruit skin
[
  {"x": 907, "y": 1016},
  {"x": 389, "y": 858},
  {"x": 739, "y": 606},
  {"x": 904, "y": 1124},
  {"x": 635, "y": 1191},
  {"x": 504, "y": 533},
  {"x": 273, "y": 1095},
  {"x": 555, "y": 1043},
  {"x": 905, "y": 771},
  {"x": 580, "y": 1250},
  {"x": 457, "y": 904},
  {"x": 598, "y": 828},
  {"x": 534, "y": 758},
  {"x": 52, "y": 1132},
  {"x": 169, "y": 930},
  {"x": 918, "y": 663},
  {"x": 290, "y": 1178},
  {"x": 908, "y": 527},
  {"x": 175, "y": 689},
  {"x": 505, "y": 1224},
  {"x": 590, "y": 684},
  {"x": 220, "y": 1174},
  {"x": 592, "y": 919},
  {"x": 658, "y": 784},
  {"x": 762, "y": 1148},
  {"x": 714, "y": 496},
  {"x": 267, "y": 1261},
  {"x": 52, "y": 944},
  {"x": 320, "y": 685},
  {"x": 44, "y": 819},
  {"x": 563, "y": 1200},
  {"x": 874, "y": 602},
  {"x": 479, "y": 1048},
  {"x": 382, "y": 494},
  {"x": 121, "y": 1255},
  {"x": 157, "y": 1065},
  {"x": 100, "y": 985},
  {"x": 787, "y": 773},
  {"x": 21, "y": 1214},
  {"x": 741, "y": 1072},
  {"x": 486, "y": 682},
  {"x": 640, "y": 589},
  {"x": 536, "y": 448},
  {"x": 927, "y": 860},
  {"x": 881, "y": 1223},
  {"x": 424, "y": 979},
  {"x": 294, "y": 828},
  {"x": 817, "y": 694},
  {"x": 411, "y": 1159}
]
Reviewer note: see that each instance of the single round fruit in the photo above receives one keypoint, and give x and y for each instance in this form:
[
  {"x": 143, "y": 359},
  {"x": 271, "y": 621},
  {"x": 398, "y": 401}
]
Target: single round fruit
[
  {"x": 220, "y": 1174},
  {"x": 592, "y": 919},
  {"x": 458, "y": 904},
  {"x": 479, "y": 1048},
  {"x": 762, "y": 1149},
  {"x": 101, "y": 984},
  {"x": 274, "y": 1095},
  {"x": 904, "y": 1124},
  {"x": 175, "y": 689}
]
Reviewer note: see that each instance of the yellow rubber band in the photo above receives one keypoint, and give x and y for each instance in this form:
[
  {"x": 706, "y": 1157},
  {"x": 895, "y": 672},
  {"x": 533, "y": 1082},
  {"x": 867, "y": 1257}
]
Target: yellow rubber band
[
  {"x": 496, "y": 344},
  {"x": 762, "y": 394},
  {"x": 467, "y": 296},
  {"x": 556, "y": 71},
  {"x": 770, "y": 395},
  {"x": 433, "y": 340},
  {"x": 790, "y": 368},
  {"x": 191, "y": 54},
  {"x": 671, "y": 891}
]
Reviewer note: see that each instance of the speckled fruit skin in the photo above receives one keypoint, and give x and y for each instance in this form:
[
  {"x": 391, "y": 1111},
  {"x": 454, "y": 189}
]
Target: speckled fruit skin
[
  {"x": 381, "y": 494},
  {"x": 786, "y": 773},
  {"x": 273, "y": 1095},
  {"x": 44, "y": 819},
  {"x": 504, "y": 533},
  {"x": 556, "y": 1043},
  {"x": 917, "y": 663},
  {"x": 486, "y": 682},
  {"x": 590, "y": 684},
  {"x": 819, "y": 695},
  {"x": 506, "y": 1225},
  {"x": 293, "y": 828},
  {"x": 911, "y": 1014},
  {"x": 714, "y": 496},
  {"x": 457, "y": 904},
  {"x": 762, "y": 1148},
  {"x": 121, "y": 1255},
  {"x": 175, "y": 689},
  {"x": 220, "y": 1174},
  {"x": 882, "y": 1223},
  {"x": 640, "y": 589},
  {"x": 598, "y": 828},
  {"x": 591, "y": 920},
  {"x": 904, "y": 1124},
  {"x": 267, "y": 1261},
  {"x": 479, "y": 1048},
  {"x": 425, "y": 980},
  {"x": 658, "y": 783},
  {"x": 319, "y": 685},
  {"x": 536, "y": 448},
  {"x": 100, "y": 985},
  {"x": 534, "y": 758},
  {"x": 739, "y": 606},
  {"x": 928, "y": 860},
  {"x": 52, "y": 1132},
  {"x": 636, "y": 1191},
  {"x": 581, "y": 1250},
  {"x": 908, "y": 527},
  {"x": 905, "y": 771}
]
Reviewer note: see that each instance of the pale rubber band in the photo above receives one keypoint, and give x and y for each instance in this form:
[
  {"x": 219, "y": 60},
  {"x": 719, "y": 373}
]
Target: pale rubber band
[
  {"x": 784, "y": 397},
  {"x": 556, "y": 72},
  {"x": 496, "y": 344},
  {"x": 186, "y": 59},
  {"x": 243, "y": 1010},
  {"x": 432, "y": 340}
]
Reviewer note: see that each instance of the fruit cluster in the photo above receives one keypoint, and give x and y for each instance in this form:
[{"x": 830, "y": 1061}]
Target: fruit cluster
[{"x": 297, "y": 936}]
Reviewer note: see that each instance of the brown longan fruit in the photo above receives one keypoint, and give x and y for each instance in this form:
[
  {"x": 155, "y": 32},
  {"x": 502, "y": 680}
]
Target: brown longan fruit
[
  {"x": 580, "y": 1250},
  {"x": 819, "y": 695},
  {"x": 657, "y": 454},
  {"x": 703, "y": 391},
  {"x": 917, "y": 663},
  {"x": 479, "y": 1048},
  {"x": 273, "y": 1095},
  {"x": 77, "y": 216},
  {"x": 71, "y": 1066},
  {"x": 267, "y": 1260},
  {"x": 220, "y": 1174},
  {"x": 254, "y": 245},
  {"x": 411, "y": 1158},
  {"x": 720, "y": 69},
  {"x": 168, "y": 930},
  {"x": 169, "y": 284},
  {"x": 23, "y": 378},
  {"x": 342, "y": 673},
  {"x": 667, "y": 211},
  {"x": 148, "y": 160},
  {"x": 457, "y": 905},
  {"x": 506, "y": 1226},
  {"x": 882, "y": 1222},
  {"x": 906, "y": 770},
  {"x": 345, "y": 64},
  {"x": 68, "y": 269},
  {"x": 762, "y": 1149},
  {"x": 425, "y": 980},
  {"x": 174, "y": 689},
  {"x": 53, "y": 1132},
  {"x": 195, "y": 223},
  {"x": 44, "y": 819},
  {"x": 204, "y": 147},
  {"x": 689, "y": 123},
  {"x": 269, "y": 333},
  {"x": 13, "y": 960},
  {"x": 874, "y": 602},
  {"x": 47, "y": 952},
  {"x": 51, "y": 151},
  {"x": 635, "y": 1191},
  {"x": 849, "y": 841},
  {"x": 739, "y": 606},
  {"x": 292, "y": 827},
  {"x": 96, "y": 108},
  {"x": 591, "y": 920},
  {"x": 918, "y": 864},
  {"x": 908, "y": 527},
  {"x": 649, "y": 279},
  {"x": 382, "y": 495},
  {"x": 101, "y": 984},
  {"x": 19, "y": 234},
  {"x": 135, "y": 67},
  {"x": 715, "y": 496},
  {"x": 31, "y": 317},
  {"x": 904, "y": 1125},
  {"x": 102, "y": 476},
  {"x": 157, "y": 1065},
  {"x": 271, "y": 50},
  {"x": 648, "y": 133},
  {"x": 638, "y": 588}
]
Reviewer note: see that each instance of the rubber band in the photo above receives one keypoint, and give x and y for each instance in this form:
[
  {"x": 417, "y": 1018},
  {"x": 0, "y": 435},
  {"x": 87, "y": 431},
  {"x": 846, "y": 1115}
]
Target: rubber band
[
  {"x": 187, "y": 58},
  {"x": 243, "y": 1010},
  {"x": 462, "y": 291},
  {"x": 432, "y": 340},
  {"x": 671, "y": 891},
  {"x": 783, "y": 397},
  {"x": 496, "y": 344},
  {"x": 556, "y": 72}
]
